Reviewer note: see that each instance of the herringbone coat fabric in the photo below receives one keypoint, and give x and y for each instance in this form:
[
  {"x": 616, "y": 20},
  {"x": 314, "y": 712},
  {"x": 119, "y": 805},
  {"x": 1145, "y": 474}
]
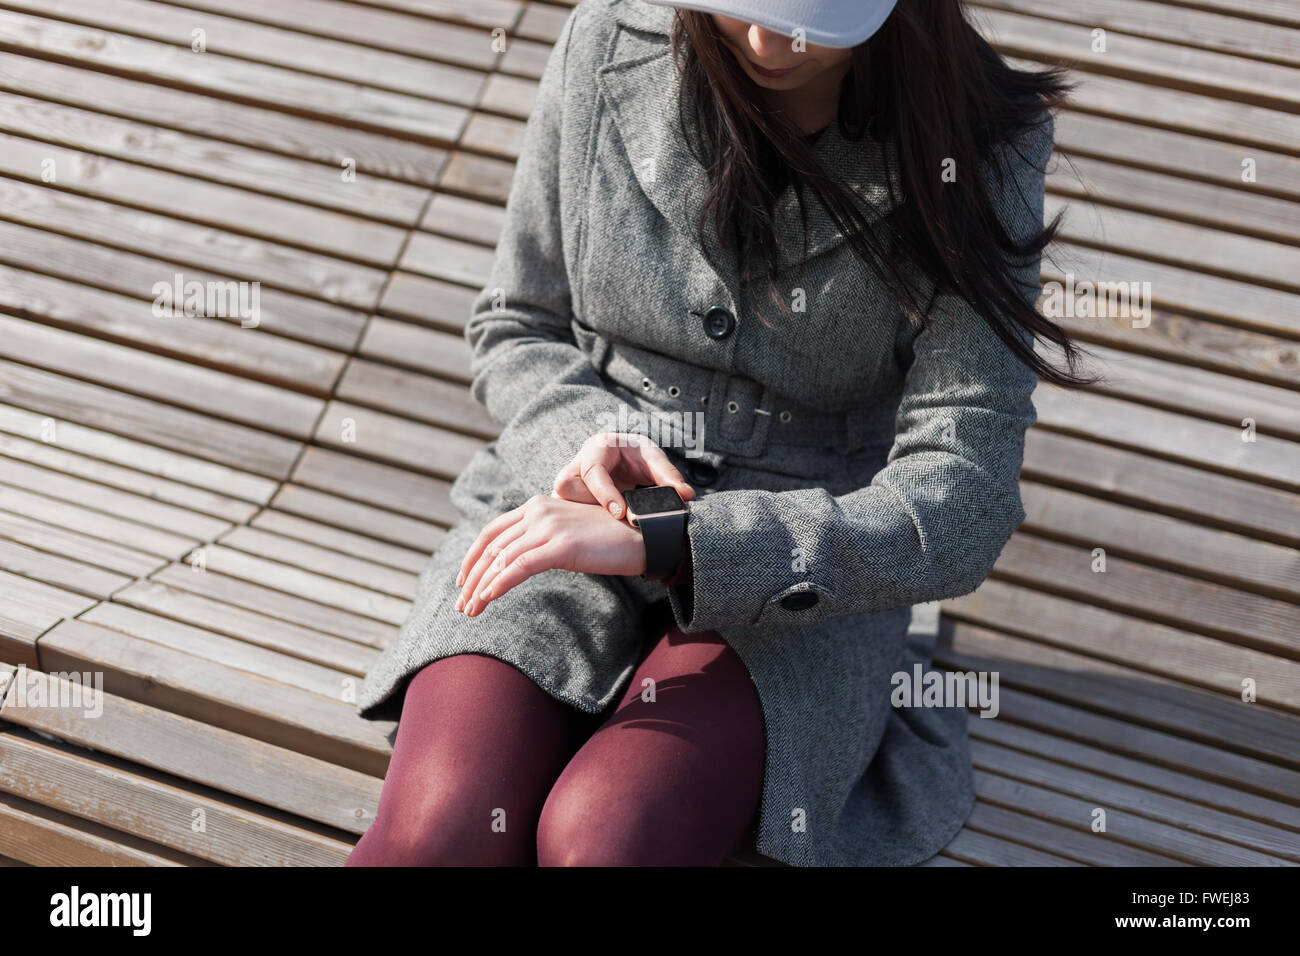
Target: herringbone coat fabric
[{"x": 857, "y": 459}]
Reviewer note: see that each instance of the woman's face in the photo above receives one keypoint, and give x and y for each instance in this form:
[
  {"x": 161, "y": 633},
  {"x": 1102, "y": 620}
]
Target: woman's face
[{"x": 759, "y": 49}]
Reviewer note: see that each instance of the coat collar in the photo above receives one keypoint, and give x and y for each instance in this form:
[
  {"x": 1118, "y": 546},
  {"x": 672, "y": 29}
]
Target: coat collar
[{"x": 642, "y": 88}]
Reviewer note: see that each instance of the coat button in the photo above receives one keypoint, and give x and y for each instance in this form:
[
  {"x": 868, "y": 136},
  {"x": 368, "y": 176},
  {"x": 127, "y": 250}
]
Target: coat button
[
  {"x": 701, "y": 473},
  {"x": 799, "y": 601},
  {"x": 719, "y": 323}
]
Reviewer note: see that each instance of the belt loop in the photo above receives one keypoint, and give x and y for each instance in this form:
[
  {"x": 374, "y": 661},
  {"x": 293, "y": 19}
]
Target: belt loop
[{"x": 600, "y": 353}]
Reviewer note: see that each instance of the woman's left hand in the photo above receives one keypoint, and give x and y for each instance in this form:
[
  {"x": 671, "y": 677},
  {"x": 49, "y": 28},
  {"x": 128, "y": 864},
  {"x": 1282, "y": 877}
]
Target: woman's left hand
[{"x": 545, "y": 533}]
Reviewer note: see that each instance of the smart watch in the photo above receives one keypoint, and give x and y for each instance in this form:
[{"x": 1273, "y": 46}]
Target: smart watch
[{"x": 660, "y": 515}]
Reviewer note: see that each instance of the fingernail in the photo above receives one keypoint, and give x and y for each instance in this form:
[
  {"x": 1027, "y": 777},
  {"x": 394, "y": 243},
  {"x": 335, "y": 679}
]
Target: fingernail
[
  {"x": 485, "y": 594},
  {"x": 460, "y": 602},
  {"x": 615, "y": 508},
  {"x": 460, "y": 580}
]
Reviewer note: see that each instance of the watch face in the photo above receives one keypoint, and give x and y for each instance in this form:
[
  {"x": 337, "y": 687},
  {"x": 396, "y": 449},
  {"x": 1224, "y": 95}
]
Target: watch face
[{"x": 649, "y": 501}]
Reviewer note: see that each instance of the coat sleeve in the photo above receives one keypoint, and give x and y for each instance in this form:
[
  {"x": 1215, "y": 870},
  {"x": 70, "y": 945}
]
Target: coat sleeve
[
  {"x": 934, "y": 519},
  {"x": 526, "y": 367}
]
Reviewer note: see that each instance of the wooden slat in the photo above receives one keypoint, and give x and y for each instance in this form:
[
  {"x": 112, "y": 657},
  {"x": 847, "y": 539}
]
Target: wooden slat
[
  {"x": 200, "y": 157},
  {"x": 426, "y": 350},
  {"x": 202, "y": 436},
  {"x": 1122, "y": 825},
  {"x": 1164, "y": 21},
  {"x": 431, "y": 301},
  {"x": 420, "y": 397},
  {"x": 65, "y": 573},
  {"x": 119, "y": 504},
  {"x": 1181, "y": 438},
  {"x": 1145, "y": 699},
  {"x": 317, "y": 140},
  {"x": 243, "y": 258},
  {"x": 344, "y": 102},
  {"x": 1154, "y": 61},
  {"x": 384, "y": 29},
  {"x": 110, "y": 528},
  {"x": 137, "y": 455},
  {"x": 1169, "y": 542},
  {"x": 1186, "y": 604},
  {"x": 108, "y": 291},
  {"x": 264, "y": 407},
  {"x": 53, "y": 458},
  {"x": 41, "y": 837},
  {"x": 252, "y": 627},
  {"x": 380, "y": 523},
  {"x": 344, "y": 567},
  {"x": 396, "y": 440},
  {"x": 77, "y": 546},
  {"x": 389, "y": 496},
  {"x": 166, "y": 812},
  {"x": 1075, "y": 842},
  {"x": 981, "y": 849},
  {"x": 278, "y": 604},
  {"x": 228, "y": 696},
  {"x": 183, "y": 197},
  {"x": 258, "y": 44},
  {"x": 344, "y": 542},
  {"x": 211, "y": 756},
  {"x": 1145, "y": 773}
]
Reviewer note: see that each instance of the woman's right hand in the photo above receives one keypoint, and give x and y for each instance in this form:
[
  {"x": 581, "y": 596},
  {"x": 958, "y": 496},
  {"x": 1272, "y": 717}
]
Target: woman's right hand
[{"x": 610, "y": 463}]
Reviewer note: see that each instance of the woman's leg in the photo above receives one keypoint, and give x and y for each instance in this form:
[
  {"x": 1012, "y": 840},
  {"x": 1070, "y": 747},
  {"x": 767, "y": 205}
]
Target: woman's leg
[
  {"x": 669, "y": 781},
  {"x": 478, "y": 746}
]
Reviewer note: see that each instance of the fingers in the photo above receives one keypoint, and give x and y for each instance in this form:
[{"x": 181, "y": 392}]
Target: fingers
[
  {"x": 490, "y": 531},
  {"x": 663, "y": 471},
  {"x": 594, "y": 461},
  {"x": 531, "y": 556},
  {"x": 570, "y": 486},
  {"x": 491, "y": 554}
]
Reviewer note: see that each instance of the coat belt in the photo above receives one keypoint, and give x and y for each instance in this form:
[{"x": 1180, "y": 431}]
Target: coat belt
[{"x": 740, "y": 416}]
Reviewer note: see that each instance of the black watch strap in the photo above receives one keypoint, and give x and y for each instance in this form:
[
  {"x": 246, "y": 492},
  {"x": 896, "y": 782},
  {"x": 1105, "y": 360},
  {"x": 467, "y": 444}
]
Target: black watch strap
[{"x": 663, "y": 536}]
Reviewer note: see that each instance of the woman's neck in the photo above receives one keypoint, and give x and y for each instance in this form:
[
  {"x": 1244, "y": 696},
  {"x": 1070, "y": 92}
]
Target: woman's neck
[{"x": 813, "y": 106}]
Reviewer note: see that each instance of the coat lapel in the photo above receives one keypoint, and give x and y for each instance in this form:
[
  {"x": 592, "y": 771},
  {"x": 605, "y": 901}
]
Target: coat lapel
[{"x": 642, "y": 92}]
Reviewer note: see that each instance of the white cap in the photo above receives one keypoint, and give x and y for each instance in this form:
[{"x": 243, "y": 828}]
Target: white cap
[{"x": 841, "y": 23}]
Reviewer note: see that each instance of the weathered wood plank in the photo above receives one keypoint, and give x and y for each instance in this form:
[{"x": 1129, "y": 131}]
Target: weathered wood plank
[
  {"x": 230, "y": 697},
  {"x": 343, "y": 102},
  {"x": 333, "y": 145},
  {"x": 212, "y": 756},
  {"x": 252, "y": 627},
  {"x": 144, "y": 458},
  {"x": 163, "y": 812}
]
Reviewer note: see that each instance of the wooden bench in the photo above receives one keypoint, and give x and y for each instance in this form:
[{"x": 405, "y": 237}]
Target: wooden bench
[{"x": 134, "y": 447}]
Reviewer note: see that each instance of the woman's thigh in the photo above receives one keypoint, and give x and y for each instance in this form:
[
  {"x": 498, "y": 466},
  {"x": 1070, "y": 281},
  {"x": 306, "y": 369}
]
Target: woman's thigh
[
  {"x": 478, "y": 746},
  {"x": 674, "y": 775}
]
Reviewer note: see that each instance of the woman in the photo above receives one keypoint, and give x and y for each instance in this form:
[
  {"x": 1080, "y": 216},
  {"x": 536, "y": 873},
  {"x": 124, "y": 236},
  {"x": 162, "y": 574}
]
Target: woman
[{"x": 825, "y": 253}]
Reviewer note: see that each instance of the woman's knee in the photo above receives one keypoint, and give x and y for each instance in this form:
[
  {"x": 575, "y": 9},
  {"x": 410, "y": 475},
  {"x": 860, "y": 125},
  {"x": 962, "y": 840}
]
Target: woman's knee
[
  {"x": 583, "y": 823},
  {"x": 451, "y": 823}
]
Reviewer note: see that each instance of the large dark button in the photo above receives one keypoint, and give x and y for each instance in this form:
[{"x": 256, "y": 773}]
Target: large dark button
[
  {"x": 701, "y": 473},
  {"x": 719, "y": 323},
  {"x": 799, "y": 601}
]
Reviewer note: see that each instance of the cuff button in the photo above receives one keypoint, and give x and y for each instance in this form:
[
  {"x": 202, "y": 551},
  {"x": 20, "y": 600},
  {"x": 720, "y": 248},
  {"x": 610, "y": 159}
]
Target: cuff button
[{"x": 799, "y": 601}]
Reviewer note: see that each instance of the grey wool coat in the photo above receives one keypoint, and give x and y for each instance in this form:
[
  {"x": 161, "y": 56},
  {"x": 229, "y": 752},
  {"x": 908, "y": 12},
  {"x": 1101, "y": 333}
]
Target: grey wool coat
[{"x": 856, "y": 459}]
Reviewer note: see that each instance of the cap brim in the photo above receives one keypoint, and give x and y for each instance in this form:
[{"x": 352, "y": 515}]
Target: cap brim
[{"x": 829, "y": 28}]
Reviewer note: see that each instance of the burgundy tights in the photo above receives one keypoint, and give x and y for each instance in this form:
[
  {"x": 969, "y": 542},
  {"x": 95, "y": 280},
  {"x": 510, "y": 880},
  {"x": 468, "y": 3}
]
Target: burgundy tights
[{"x": 490, "y": 770}]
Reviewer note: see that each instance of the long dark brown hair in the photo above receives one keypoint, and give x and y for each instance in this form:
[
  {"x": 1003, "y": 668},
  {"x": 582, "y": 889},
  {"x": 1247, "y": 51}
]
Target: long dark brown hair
[{"x": 929, "y": 84}]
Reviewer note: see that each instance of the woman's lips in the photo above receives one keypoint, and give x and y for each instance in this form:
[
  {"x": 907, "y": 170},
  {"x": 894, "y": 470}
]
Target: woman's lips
[{"x": 770, "y": 73}]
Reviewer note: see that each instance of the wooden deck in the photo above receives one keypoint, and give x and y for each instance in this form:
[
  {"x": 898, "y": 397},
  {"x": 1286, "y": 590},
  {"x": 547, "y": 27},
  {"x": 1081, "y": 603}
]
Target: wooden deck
[{"x": 309, "y": 460}]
